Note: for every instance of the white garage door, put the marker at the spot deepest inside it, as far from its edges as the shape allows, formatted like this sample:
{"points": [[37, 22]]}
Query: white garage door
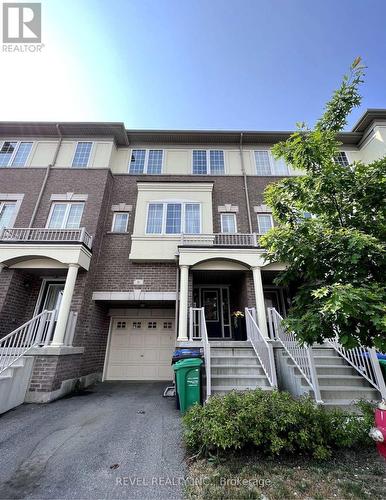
{"points": [[141, 349]]}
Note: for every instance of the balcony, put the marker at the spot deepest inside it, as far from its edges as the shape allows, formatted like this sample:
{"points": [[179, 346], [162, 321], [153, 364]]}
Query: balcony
{"points": [[220, 240], [45, 235]]}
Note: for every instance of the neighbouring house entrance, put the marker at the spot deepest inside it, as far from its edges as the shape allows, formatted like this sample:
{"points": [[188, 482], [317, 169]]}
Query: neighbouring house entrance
{"points": [[216, 304]]}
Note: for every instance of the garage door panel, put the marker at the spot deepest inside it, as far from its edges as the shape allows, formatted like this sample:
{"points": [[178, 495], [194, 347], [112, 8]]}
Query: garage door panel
{"points": [[141, 349]]}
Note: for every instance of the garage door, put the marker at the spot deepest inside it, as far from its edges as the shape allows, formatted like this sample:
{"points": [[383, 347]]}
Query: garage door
{"points": [[141, 349]]}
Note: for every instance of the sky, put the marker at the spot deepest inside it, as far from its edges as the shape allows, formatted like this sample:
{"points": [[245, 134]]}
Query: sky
{"points": [[195, 64]]}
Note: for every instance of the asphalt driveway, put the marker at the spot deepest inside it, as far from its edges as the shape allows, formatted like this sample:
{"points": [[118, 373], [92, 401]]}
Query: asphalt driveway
{"points": [[120, 440]]}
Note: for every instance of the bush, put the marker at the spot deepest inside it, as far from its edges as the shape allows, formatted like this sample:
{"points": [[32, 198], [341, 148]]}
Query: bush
{"points": [[273, 423]]}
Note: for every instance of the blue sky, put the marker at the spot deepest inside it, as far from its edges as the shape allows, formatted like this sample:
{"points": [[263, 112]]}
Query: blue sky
{"points": [[197, 64]]}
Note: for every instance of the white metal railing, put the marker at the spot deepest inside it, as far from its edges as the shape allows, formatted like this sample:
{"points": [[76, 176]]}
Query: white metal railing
{"points": [[35, 332], [198, 331], [47, 235], [365, 361], [262, 347], [302, 356], [220, 239]]}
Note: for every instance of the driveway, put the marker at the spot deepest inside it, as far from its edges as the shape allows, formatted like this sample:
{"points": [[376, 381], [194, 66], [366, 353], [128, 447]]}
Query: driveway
{"points": [[118, 440]]}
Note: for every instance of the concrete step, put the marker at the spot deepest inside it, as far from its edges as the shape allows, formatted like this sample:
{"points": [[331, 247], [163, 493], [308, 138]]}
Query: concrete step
{"points": [[229, 343], [324, 351], [232, 351], [234, 360], [335, 370], [236, 381], [250, 369], [347, 381], [331, 393], [330, 360], [226, 389]]}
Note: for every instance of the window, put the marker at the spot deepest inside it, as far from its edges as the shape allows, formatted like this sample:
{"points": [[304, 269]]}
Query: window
{"points": [[208, 162], [228, 223], [14, 154], [82, 154], [173, 218], [7, 213], [264, 223], [120, 221], [137, 325], [146, 161], [267, 165], [65, 216], [152, 324], [168, 325], [341, 159], [121, 325]]}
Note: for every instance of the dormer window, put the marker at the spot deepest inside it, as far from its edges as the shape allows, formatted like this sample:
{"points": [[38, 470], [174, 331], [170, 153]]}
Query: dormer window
{"points": [[266, 164], [208, 162], [82, 154]]}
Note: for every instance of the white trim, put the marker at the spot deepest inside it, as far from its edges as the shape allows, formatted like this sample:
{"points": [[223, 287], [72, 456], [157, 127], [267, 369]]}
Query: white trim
{"points": [[208, 164], [227, 207], [107, 353], [69, 197], [9, 198], [175, 187], [146, 161], [234, 218], [15, 152], [121, 207], [66, 213], [41, 291], [113, 223], [89, 156], [258, 223], [164, 214], [265, 209]]}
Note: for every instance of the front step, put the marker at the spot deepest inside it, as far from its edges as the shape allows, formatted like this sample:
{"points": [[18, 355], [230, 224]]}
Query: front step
{"points": [[235, 366]]}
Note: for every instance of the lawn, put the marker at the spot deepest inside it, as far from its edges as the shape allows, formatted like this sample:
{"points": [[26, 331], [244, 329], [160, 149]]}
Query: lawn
{"points": [[348, 475]]}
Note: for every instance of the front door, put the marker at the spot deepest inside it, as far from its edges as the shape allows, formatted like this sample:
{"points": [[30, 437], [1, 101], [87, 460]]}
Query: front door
{"points": [[52, 297], [215, 301]]}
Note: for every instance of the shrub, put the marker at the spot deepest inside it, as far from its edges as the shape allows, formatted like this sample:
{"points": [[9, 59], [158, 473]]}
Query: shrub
{"points": [[273, 423]]}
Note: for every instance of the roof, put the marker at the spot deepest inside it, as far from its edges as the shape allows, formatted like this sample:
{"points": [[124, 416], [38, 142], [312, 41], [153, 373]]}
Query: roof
{"points": [[123, 137]]}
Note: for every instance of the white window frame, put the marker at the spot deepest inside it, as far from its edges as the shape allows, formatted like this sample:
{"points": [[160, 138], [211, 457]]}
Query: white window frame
{"points": [[145, 166], [15, 152], [271, 161], [66, 213], [258, 223], [164, 214], [347, 156], [208, 165], [89, 156], [113, 223], [234, 218], [10, 202]]}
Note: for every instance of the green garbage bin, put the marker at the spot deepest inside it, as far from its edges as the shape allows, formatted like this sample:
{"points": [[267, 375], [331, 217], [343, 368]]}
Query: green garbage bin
{"points": [[188, 382], [382, 363]]}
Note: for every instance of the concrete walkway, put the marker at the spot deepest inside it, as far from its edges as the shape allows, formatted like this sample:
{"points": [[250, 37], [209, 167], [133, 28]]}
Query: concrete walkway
{"points": [[120, 440]]}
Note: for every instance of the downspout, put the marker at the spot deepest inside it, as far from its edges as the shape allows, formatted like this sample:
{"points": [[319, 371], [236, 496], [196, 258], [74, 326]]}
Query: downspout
{"points": [[44, 183], [177, 299], [245, 184]]}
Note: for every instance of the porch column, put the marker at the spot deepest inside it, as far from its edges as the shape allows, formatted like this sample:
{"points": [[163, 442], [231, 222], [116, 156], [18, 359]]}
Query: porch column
{"points": [[183, 316], [259, 297], [64, 309]]}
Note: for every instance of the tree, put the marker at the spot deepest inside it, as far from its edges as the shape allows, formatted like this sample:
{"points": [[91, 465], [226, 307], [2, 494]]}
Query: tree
{"points": [[336, 258]]}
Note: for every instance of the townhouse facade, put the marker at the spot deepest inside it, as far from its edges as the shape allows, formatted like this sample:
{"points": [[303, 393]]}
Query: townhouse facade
{"points": [[116, 244]]}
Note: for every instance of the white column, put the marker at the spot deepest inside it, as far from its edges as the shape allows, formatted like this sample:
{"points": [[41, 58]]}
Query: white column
{"points": [[65, 305], [183, 316], [260, 305]]}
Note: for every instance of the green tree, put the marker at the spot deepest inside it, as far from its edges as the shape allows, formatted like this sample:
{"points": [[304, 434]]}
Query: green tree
{"points": [[336, 259]]}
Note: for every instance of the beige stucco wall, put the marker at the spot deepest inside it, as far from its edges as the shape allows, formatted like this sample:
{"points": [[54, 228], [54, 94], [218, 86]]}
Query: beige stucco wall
{"points": [[153, 247], [374, 146]]}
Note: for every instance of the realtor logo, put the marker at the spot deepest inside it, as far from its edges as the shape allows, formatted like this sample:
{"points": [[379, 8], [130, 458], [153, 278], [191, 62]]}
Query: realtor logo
{"points": [[22, 23]]}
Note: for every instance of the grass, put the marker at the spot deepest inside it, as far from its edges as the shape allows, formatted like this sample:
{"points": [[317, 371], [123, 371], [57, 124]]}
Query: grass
{"points": [[351, 475]]}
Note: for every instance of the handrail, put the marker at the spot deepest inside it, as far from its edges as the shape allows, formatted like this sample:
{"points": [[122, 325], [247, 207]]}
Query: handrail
{"points": [[365, 361], [35, 332], [47, 235], [262, 347], [220, 239], [198, 331], [302, 356]]}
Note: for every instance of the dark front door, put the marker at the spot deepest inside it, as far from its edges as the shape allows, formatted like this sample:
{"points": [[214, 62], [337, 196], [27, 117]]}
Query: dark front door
{"points": [[215, 301]]}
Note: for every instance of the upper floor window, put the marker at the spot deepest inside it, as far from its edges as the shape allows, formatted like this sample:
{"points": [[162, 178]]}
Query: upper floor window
{"points": [[82, 154], [208, 162], [7, 213], [65, 215], [228, 223], [173, 218], [267, 165], [14, 153], [341, 159], [146, 161], [264, 223], [120, 221]]}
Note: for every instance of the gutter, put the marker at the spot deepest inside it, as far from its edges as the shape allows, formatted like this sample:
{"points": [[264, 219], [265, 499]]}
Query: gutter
{"points": [[245, 183], [44, 183]]}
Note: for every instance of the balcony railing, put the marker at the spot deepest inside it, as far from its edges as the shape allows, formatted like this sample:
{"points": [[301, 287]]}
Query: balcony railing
{"points": [[45, 235], [221, 239]]}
